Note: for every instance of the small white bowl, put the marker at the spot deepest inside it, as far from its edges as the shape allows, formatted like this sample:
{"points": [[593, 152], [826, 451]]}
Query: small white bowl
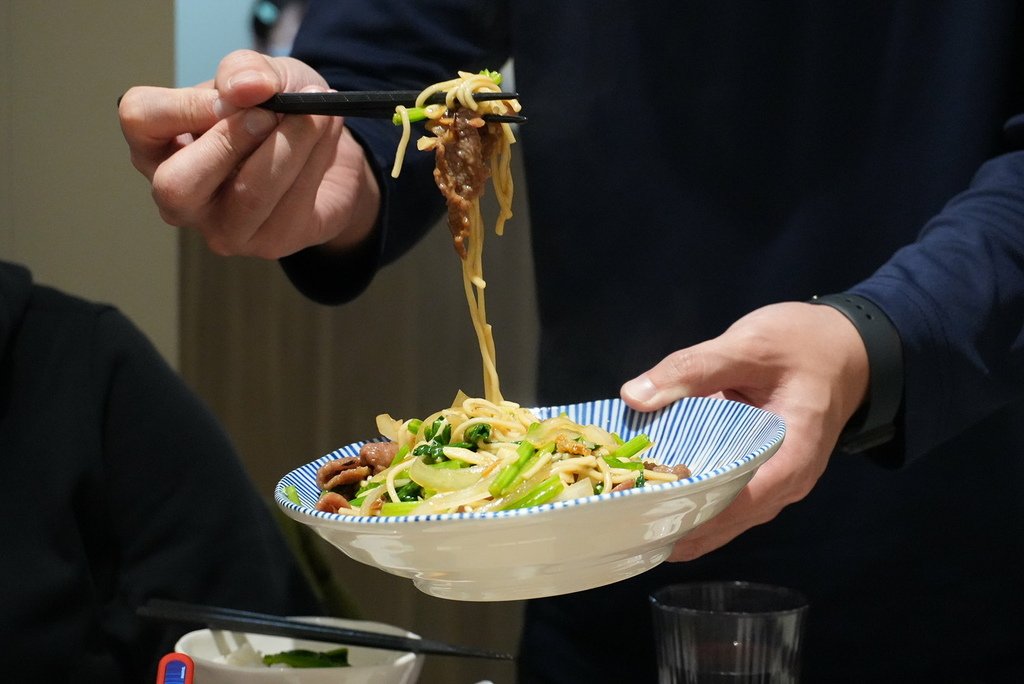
{"points": [[367, 665], [564, 546]]}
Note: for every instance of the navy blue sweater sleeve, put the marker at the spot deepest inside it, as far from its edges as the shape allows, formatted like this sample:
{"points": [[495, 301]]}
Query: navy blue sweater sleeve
{"points": [[956, 296], [381, 45]]}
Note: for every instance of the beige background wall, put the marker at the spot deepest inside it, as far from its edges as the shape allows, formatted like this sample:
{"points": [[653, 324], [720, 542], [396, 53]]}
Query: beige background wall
{"points": [[71, 206]]}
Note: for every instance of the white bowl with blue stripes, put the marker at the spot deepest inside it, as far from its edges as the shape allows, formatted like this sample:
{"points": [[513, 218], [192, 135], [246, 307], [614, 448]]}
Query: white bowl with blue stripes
{"points": [[566, 546]]}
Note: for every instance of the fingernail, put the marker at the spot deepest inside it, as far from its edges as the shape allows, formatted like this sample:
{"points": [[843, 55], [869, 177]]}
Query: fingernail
{"points": [[246, 78], [259, 122], [223, 109], [639, 389]]}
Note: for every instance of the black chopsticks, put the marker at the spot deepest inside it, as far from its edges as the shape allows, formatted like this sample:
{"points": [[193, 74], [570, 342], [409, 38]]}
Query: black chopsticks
{"points": [[261, 623], [372, 104]]}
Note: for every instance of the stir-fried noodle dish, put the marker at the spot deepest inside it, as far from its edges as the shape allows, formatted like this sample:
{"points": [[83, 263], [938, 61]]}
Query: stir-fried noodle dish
{"points": [[481, 454]]}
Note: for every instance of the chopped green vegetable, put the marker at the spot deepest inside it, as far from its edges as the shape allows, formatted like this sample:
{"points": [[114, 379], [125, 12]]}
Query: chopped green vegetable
{"points": [[400, 455], [410, 491], [619, 463], [414, 425], [292, 494], [545, 449], [632, 447], [450, 464], [503, 483], [542, 493], [415, 114], [431, 453], [481, 432], [439, 432], [400, 508], [493, 75], [304, 658]]}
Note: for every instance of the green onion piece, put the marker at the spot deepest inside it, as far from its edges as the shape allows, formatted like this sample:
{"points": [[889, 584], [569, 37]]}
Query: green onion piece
{"points": [[542, 493], [632, 447], [414, 425], [619, 463], [530, 462], [415, 114], [641, 479], [503, 483], [400, 508], [520, 474], [292, 494], [400, 455], [493, 75], [303, 658]]}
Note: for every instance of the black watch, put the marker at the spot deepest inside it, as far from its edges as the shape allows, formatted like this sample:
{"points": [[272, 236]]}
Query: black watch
{"points": [[875, 422]]}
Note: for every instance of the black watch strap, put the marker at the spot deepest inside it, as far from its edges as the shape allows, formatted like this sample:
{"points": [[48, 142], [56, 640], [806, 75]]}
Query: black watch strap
{"points": [[875, 422]]}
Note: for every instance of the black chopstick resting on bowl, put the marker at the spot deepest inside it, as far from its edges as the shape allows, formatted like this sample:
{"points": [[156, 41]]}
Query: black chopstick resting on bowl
{"points": [[372, 104], [273, 625]]}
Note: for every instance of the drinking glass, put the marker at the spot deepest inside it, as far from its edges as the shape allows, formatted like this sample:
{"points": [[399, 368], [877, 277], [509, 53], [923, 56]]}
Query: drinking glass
{"points": [[728, 632]]}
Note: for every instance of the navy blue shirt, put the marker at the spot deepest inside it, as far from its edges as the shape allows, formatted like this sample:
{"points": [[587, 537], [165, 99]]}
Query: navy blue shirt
{"points": [[696, 160]]}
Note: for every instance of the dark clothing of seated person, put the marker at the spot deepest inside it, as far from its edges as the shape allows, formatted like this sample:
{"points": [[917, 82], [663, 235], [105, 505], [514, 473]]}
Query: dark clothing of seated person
{"points": [[120, 486]]}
